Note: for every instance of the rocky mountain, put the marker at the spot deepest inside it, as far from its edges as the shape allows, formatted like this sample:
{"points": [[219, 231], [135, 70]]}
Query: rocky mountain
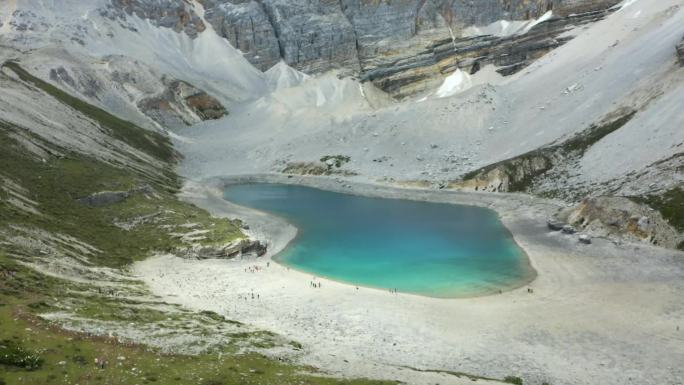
{"points": [[314, 36], [109, 107], [403, 46], [398, 45], [173, 63]]}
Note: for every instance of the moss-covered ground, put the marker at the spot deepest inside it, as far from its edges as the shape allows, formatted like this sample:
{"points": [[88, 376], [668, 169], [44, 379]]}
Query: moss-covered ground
{"points": [[670, 204], [39, 353]]}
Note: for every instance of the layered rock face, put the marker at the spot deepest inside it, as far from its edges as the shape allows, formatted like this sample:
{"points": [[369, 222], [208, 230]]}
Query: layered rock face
{"points": [[414, 71], [247, 28], [378, 39], [314, 35], [310, 35]]}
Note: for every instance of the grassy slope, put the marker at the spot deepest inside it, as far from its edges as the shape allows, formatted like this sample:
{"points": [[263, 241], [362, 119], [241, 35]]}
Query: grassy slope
{"points": [[54, 184], [68, 358], [58, 182], [670, 204]]}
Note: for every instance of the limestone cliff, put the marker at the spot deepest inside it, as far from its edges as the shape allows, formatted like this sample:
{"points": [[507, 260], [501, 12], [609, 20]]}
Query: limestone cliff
{"points": [[247, 28], [174, 14], [403, 46]]}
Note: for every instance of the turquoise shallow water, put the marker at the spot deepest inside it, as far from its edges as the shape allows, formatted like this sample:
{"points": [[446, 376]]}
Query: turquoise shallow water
{"points": [[433, 249]]}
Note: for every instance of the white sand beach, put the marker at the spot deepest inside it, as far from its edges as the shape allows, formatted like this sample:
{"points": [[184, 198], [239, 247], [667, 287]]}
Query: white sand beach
{"points": [[600, 314]]}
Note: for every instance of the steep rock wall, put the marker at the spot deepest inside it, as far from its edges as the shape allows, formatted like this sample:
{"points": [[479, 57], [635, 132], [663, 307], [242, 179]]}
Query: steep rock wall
{"points": [[247, 27], [314, 36]]}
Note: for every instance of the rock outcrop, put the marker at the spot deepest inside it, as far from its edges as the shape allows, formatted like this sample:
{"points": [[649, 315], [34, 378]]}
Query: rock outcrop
{"points": [[131, 87], [623, 218], [402, 46], [314, 36], [175, 14], [314, 168], [247, 27], [508, 176], [181, 104], [523, 172], [418, 70], [680, 52], [106, 198], [243, 247]]}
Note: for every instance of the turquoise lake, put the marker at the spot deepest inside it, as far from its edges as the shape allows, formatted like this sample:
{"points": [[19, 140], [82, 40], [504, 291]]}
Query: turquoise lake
{"points": [[431, 249]]}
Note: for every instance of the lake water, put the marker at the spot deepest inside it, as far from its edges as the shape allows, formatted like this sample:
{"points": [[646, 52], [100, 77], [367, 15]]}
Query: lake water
{"points": [[432, 249]]}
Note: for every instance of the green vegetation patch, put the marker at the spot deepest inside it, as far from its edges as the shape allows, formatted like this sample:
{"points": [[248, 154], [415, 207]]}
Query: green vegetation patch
{"points": [[123, 232], [587, 138], [70, 358], [13, 355], [670, 205], [16, 281], [522, 170], [335, 160], [513, 380]]}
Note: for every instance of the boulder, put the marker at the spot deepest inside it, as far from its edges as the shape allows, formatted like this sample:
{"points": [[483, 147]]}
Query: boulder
{"points": [[104, 198], [623, 218], [255, 247], [567, 229], [555, 225], [585, 239], [227, 251]]}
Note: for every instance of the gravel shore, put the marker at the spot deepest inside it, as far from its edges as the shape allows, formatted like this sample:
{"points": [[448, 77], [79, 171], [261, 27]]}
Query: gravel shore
{"points": [[603, 313]]}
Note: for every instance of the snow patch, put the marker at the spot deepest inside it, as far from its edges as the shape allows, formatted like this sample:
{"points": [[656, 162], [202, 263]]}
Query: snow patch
{"points": [[458, 81], [540, 20], [626, 3]]}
